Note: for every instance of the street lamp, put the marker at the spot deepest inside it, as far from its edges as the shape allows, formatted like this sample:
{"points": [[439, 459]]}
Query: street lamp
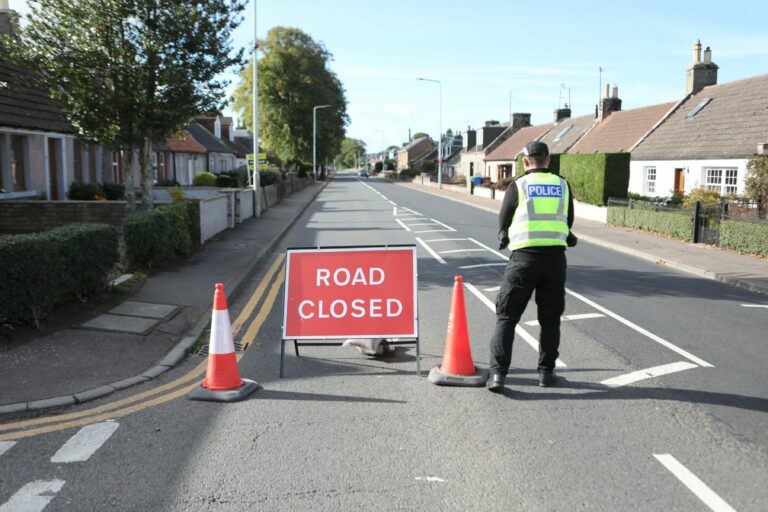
{"points": [[440, 135], [256, 175], [314, 137]]}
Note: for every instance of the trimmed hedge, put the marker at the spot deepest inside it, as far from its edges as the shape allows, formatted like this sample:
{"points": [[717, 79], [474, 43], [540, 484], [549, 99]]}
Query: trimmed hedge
{"points": [[40, 270], [162, 235], [594, 177], [204, 179], [744, 236], [676, 225]]}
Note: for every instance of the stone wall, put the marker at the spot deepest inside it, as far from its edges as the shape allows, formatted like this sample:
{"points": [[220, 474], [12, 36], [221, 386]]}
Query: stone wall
{"points": [[34, 216]]}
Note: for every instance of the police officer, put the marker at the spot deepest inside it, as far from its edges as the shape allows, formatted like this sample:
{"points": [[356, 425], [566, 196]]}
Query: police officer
{"points": [[534, 221]]}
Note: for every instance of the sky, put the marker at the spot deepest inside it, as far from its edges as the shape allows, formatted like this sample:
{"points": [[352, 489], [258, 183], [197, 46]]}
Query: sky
{"points": [[541, 53]]}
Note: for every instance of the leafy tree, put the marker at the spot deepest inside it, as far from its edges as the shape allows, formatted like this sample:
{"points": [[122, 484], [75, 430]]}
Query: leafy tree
{"points": [[449, 133], [419, 135], [128, 72], [293, 78], [756, 182], [351, 149], [701, 195]]}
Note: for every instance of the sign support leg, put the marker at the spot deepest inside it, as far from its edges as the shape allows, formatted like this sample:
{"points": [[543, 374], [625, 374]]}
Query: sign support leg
{"points": [[282, 357], [418, 359], [296, 347]]}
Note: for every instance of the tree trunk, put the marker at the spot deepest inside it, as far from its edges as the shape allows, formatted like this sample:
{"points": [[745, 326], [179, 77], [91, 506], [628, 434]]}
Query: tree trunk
{"points": [[145, 164], [130, 189]]}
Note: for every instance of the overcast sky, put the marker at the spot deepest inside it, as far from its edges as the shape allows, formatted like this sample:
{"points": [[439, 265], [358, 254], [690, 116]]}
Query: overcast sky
{"points": [[538, 52]]}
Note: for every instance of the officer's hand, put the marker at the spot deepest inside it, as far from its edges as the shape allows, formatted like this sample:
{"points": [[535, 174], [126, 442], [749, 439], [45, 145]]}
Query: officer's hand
{"points": [[571, 241], [504, 243]]}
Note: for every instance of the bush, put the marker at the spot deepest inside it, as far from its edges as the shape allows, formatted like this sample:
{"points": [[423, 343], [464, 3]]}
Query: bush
{"points": [[594, 177], [302, 174], [180, 229], [269, 177], [756, 182], [503, 183], [703, 196], [225, 181], [167, 183], [113, 191], [162, 235], [84, 191], [646, 217], [204, 179], [378, 167], [41, 270], [745, 236]]}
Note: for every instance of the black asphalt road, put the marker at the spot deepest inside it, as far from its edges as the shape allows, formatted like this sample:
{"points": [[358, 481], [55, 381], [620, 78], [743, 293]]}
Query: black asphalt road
{"points": [[347, 432]]}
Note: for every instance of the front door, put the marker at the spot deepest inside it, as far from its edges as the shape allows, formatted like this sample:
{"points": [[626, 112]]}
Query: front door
{"points": [[53, 169], [679, 182]]}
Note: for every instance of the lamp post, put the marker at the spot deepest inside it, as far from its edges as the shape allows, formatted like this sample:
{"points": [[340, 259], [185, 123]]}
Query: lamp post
{"points": [[314, 137], [256, 175], [440, 134]]}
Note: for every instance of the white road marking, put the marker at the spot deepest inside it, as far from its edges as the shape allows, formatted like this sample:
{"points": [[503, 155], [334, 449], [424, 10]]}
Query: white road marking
{"points": [[384, 197], [754, 305], [409, 210], [434, 231], [568, 318], [422, 224], [484, 265], [393, 204], [5, 446], [642, 331], [648, 373], [444, 225], [533, 342], [430, 478], [446, 240], [694, 484], [394, 211], [497, 253], [82, 445], [460, 250], [33, 497], [431, 251], [404, 226]]}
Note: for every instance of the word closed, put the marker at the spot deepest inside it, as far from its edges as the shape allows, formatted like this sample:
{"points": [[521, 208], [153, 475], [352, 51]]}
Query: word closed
{"points": [[350, 292]]}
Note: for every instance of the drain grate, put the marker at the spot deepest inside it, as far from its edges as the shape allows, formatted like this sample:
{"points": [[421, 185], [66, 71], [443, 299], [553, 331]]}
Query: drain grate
{"points": [[203, 351]]}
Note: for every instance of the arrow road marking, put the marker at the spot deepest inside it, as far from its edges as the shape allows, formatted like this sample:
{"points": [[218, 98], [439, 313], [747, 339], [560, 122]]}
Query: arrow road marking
{"points": [[33, 497], [82, 445], [648, 373], [694, 484]]}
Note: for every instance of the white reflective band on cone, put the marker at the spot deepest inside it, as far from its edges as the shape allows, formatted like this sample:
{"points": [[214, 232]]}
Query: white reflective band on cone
{"points": [[221, 333]]}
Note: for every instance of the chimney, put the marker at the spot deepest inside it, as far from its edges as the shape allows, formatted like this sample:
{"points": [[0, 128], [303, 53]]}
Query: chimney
{"points": [[520, 120], [607, 90], [701, 74], [7, 19], [470, 139], [610, 103], [562, 113]]}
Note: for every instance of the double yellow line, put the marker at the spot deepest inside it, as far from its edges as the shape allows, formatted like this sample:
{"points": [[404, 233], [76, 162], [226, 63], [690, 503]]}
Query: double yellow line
{"points": [[123, 407]]}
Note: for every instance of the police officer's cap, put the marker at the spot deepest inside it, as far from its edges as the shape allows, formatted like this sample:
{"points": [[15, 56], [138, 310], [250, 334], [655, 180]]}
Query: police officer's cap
{"points": [[536, 148]]}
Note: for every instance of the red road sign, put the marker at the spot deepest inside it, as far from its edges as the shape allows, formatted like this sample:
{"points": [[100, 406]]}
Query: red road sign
{"points": [[350, 292]]}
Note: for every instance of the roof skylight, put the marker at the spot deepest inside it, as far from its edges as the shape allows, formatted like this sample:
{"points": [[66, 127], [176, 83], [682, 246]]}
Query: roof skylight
{"points": [[562, 132], [698, 107]]}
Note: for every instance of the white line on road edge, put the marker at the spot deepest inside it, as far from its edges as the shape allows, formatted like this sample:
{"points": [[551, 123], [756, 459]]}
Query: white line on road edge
{"points": [[484, 265], [82, 445], [493, 289], [754, 305], [409, 210], [5, 446], [446, 240], [692, 482], [444, 225], [33, 497], [434, 231], [642, 331], [431, 251], [533, 342], [648, 373], [569, 318], [430, 478], [497, 253], [460, 250], [393, 204], [404, 226]]}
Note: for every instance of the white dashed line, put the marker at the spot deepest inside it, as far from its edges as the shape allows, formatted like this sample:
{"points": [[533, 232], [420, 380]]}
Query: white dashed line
{"points": [[460, 250], [754, 305], [446, 240], [568, 318], [694, 484], [434, 231], [642, 331], [82, 445], [497, 253], [444, 225], [484, 265], [5, 446], [422, 224], [648, 373], [393, 204], [493, 289], [409, 210], [431, 251], [33, 497], [394, 211], [404, 226], [430, 478], [533, 342]]}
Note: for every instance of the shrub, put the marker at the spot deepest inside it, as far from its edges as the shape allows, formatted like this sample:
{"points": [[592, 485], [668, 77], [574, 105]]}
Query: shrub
{"points": [[745, 236], [41, 270], [756, 182], [225, 181], [167, 182], [204, 179], [84, 191], [113, 191], [701, 195], [378, 167], [644, 216], [176, 193], [269, 177], [504, 183], [595, 177], [162, 235], [302, 173], [180, 230]]}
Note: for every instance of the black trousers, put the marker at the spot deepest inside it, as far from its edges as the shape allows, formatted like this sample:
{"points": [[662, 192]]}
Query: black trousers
{"points": [[524, 274]]}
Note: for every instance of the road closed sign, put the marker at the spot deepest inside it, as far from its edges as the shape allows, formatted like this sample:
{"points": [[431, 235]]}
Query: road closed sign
{"points": [[350, 292]]}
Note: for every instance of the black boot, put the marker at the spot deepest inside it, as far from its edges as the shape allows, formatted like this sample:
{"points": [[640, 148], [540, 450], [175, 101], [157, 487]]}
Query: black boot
{"points": [[547, 378], [496, 382]]}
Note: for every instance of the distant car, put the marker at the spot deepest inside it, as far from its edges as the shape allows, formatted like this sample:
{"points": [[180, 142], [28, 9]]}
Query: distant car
{"points": [[363, 173]]}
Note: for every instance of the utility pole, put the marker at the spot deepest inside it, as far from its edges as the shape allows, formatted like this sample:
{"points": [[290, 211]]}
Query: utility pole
{"points": [[440, 133], [256, 175], [314, 138]]}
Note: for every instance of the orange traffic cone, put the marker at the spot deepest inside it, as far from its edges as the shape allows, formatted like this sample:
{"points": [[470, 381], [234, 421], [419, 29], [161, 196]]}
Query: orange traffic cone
{"points": [[457, 368], [222, 380]]}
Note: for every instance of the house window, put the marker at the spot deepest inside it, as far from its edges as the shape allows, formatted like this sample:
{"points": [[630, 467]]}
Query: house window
{"points": [[562, 132], [18, 168], [78, 160], [722, 181], [650, 180]]}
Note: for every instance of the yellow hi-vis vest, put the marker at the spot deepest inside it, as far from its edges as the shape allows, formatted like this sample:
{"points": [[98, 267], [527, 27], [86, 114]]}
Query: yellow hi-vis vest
{"points": [[541, 217]]}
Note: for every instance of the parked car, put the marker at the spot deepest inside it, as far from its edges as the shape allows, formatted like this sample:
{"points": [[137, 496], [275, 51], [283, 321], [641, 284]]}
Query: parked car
{"points": [[363, 173]]}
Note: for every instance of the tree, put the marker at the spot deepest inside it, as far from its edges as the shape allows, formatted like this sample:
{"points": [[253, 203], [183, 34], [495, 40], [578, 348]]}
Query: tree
{"points": [[449, 133], [756, 182], [128, 72], [419, 135], [351, 149], [293, 78]]}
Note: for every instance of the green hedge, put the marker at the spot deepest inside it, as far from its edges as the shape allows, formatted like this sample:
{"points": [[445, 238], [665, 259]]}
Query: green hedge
{"points": [[594, 177], [162, 235], [676, 225], [204, 179], [745, 236], [40, 270]]}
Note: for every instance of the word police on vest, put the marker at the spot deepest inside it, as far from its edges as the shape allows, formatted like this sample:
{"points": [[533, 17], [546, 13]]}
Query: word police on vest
{"points": [[545, 191], [355, 308]]}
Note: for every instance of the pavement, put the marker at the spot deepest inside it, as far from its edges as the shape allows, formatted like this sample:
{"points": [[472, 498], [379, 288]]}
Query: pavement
{"points": [[138, 337]]}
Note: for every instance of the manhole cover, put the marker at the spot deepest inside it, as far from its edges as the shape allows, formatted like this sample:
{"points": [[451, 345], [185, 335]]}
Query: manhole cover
{"points": [[203, 351]]}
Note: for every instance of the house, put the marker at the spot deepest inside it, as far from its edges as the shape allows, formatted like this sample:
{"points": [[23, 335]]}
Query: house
{"points": [[451, 147], [188, 158], [478, 143], [220, 157], [502, 159], [567, 130], [412, 154], [707, 138]]}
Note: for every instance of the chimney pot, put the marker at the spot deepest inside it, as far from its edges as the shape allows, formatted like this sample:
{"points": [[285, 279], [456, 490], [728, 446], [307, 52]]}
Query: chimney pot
{"points": [[697, 52], [4, 5], [615, 91], [607, 90], [707, 55]]}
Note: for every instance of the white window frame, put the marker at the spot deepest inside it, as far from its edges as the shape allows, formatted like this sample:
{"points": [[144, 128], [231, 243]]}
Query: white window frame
{"points": [[723, 180], [649, 185]]}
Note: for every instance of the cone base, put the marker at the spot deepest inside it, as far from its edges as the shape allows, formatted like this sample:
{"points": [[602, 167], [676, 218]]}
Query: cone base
{"points": [[224, 395], [439, 377]]}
